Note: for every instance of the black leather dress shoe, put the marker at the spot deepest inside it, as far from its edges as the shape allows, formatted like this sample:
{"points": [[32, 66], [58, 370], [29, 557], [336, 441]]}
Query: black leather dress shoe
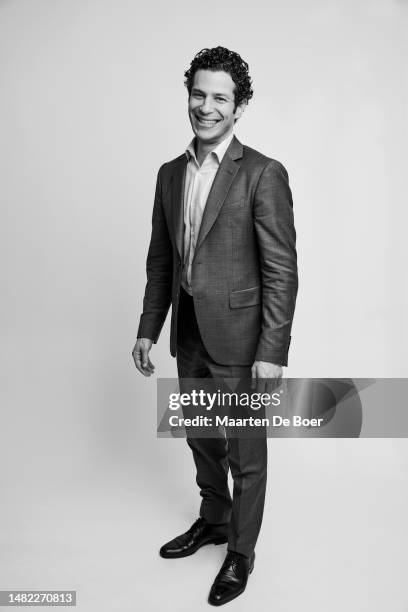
{"points": [[231, 579], [199, 534]]}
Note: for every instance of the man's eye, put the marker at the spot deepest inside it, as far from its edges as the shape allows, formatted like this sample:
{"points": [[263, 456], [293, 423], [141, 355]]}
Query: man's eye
{"points": [[197, 95], [220, 99]]}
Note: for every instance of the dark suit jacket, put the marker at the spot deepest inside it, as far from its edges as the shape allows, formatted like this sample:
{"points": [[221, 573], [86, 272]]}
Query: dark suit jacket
{"points": [[244, 271]]}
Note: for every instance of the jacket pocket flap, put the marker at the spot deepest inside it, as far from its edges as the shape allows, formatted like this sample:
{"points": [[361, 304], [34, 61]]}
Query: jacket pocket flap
{"points": [[245, 297]]}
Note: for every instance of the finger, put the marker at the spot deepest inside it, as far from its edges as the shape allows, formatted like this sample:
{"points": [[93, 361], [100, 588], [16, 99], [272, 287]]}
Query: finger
{"points": [[274, 383], [138, 364], [136, 357], [269, 385], [260, 385], [149, 368], [145, 357]]}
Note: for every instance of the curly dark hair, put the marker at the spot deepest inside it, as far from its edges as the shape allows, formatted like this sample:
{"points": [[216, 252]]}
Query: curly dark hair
{"points": [[220, 58]]}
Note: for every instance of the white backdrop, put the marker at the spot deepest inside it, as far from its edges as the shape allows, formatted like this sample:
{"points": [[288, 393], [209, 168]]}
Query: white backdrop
{"points": [[92, 103]]}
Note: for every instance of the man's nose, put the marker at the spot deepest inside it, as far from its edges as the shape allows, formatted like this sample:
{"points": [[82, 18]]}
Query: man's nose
{"points": [[206, 107]]}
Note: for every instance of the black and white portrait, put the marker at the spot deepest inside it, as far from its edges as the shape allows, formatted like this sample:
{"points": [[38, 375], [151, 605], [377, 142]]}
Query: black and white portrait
{"points": [[200, 192]]}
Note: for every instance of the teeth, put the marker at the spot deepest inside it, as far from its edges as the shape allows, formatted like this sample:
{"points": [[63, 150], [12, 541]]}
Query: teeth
{"points": [[208, 122]]}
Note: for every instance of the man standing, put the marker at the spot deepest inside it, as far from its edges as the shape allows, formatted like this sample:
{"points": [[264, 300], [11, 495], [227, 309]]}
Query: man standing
{"points": [[222, 253]]}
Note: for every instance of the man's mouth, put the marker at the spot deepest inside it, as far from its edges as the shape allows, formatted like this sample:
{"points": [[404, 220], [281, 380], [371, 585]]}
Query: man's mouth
{"points": [[207, 122]]}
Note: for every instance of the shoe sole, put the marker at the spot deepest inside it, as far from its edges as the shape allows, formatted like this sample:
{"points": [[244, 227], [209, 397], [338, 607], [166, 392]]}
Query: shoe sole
{"points": [[193, 550]]}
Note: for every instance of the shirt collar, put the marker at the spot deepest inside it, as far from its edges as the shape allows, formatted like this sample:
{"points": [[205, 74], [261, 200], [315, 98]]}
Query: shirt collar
{"points": [[219, 151]]}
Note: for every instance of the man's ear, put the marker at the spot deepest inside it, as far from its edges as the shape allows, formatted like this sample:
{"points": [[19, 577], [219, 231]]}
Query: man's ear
{"points": [[240, 109]]}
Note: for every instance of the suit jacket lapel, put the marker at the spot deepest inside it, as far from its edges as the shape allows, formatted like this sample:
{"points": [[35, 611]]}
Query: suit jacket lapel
{"points": [[219, 190], [222, 182], [177, 196]]}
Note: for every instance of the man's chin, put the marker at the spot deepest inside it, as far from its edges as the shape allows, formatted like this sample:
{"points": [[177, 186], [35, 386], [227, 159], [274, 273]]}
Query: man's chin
{"points": [[207, 135]]}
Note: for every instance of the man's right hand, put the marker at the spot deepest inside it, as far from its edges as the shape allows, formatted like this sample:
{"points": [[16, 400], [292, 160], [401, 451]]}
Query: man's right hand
{"points": [[141, 356]]}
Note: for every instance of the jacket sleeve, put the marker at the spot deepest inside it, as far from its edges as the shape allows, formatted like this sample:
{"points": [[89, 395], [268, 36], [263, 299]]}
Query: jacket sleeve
{"points": [[159, 270], [276, 236]]}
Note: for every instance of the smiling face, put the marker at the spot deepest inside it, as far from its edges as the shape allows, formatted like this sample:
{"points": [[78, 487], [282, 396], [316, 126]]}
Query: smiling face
{"points": [[211, 106]]}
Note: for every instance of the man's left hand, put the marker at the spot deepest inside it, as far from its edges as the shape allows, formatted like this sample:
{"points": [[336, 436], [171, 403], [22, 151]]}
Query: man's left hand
{"points": [[266, 376]]}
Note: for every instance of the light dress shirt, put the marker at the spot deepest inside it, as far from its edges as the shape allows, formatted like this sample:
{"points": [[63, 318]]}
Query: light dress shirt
{"points": [[198, 182]]}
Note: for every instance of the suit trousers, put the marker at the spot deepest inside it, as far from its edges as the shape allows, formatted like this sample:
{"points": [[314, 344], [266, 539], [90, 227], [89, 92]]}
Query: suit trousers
{"points": [[215, 456]]}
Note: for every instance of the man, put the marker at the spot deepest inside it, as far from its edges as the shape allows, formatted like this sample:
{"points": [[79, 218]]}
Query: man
{"points": [[222, 253]]}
